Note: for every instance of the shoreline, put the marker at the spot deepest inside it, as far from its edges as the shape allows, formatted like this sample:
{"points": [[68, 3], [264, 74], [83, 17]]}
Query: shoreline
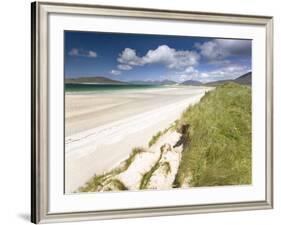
{"points": [[98, 150]]}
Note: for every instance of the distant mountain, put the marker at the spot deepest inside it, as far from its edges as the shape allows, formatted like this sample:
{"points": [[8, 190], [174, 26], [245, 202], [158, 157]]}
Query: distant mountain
{"points": [[93, 80], [154, 82], [167, 82], [192, 83], [245, 79], [218, 82]]}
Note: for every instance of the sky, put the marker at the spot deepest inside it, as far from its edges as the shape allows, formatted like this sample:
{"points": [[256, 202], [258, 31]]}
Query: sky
{"points": [[131, 57]]}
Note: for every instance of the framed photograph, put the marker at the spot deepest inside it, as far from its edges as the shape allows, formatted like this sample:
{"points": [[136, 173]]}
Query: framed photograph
{"points": [[148, 112]]}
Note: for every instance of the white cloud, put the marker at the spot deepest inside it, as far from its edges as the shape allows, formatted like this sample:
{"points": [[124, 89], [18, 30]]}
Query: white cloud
{"points": [[190, 73], [81, 52], [212, 51], [182, 63], [235, 47], [124, 67], [226, 73], [219, 49], [92, 54], [204, 75], [115, 72], [163, 54], [74, 52], [184, 77], [129, 57], [190, 70], [172, 58]]}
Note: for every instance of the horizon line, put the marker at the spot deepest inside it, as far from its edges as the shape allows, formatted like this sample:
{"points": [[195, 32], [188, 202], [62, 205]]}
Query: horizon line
{"points": [[92, 76]]}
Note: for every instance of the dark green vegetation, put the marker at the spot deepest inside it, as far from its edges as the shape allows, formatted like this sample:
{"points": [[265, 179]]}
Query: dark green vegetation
{"points": [[220, 134], [107, 182]]}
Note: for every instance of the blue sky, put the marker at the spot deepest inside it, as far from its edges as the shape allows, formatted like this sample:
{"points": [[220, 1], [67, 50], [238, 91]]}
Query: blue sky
{"points": [[129, 57]]}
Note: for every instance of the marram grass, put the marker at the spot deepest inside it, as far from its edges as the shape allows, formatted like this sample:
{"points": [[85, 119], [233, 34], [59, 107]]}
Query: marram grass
{"points": [[220, 134], [98, 182]]}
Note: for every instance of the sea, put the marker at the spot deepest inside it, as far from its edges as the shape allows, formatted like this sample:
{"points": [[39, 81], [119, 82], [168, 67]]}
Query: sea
{"points": [[107, 87]]}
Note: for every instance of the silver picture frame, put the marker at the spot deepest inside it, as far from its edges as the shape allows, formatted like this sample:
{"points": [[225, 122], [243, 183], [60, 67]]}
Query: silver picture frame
{"points": [[39, 150]]}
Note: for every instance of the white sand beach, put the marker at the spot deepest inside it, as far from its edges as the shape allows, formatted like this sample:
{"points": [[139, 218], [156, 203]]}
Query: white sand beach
{"points": [[102, 128]]}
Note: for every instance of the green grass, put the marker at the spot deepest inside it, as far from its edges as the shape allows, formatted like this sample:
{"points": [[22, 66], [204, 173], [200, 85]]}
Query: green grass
{"points": [[118, 185], [146, 177], [125, 165], [156, 137], [107, 180], [220, 135], [167, 167]]}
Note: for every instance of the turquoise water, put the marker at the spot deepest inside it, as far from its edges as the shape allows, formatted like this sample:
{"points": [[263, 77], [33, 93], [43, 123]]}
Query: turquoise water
{"points": [[105, 87]]}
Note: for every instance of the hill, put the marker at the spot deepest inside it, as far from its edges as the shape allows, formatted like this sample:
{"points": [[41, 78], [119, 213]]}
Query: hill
{"points": [[93, 80], [219, 82], [245, 79], [167, 82], [192, 82], [153, 82]]}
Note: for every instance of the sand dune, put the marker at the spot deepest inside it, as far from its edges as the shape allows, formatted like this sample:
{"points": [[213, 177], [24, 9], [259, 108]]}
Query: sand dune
{"points": [[144, 162], [102, 129]]}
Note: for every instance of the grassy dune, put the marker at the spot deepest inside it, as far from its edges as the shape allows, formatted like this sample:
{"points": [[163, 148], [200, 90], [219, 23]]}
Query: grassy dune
{"points": [[217, 145], [220, 136]]}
